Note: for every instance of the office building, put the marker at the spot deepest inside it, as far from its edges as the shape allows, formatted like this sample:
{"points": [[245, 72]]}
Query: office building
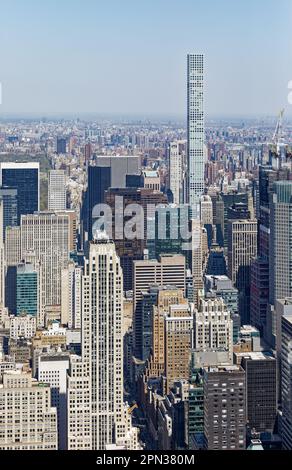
{"points": [[260, 274], [213, 326], [195, 410], [221, 286], [108, 172], [87, 152], [10, 211], [267, 177], [28, 421], [261, 390], [238, 211], [151, 179], [47, 235], [286, 381], [73, 226], [27, 290], [71, 296], [206, 208], [248, 340], [12, 246], [220, 206], [216, 264], [242, 249], [57, 190], [2, 260], [170, 231], [79, 410], [102, 310], [168, 270], [280, 269], [52, 370], [197, 259], [12, 257], [22, 326], [167, 296], [20, 350], [177, 157], [130, 246], [61, 145], [178, 327], [149, 299], [224, 408], [25, 178], [259, 292]]}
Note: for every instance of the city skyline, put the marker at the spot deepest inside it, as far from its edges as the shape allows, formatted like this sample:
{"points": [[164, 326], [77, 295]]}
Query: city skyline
{"points": [[146, 262], [132, 62]]}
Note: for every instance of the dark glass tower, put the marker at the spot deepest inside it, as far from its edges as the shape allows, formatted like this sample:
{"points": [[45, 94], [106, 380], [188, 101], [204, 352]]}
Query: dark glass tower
{"points": [[24, 177], [109, 172], [61, 145], [99, 180]]}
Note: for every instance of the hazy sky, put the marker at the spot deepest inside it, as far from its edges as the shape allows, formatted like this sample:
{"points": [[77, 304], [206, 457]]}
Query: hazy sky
{"points": [[129, 56]]}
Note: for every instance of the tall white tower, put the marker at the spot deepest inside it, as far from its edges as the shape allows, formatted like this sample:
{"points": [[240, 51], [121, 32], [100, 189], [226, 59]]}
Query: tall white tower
{"points": [[196, 131], [57, 190], [102, 346]]}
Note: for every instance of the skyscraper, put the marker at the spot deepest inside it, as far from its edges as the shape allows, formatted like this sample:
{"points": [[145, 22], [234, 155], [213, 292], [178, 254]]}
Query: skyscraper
{"points": [[149, 299], [170, 231], [61, 145], [108, 172], [167, 296], [169, 270], [46, 234], [224, 408], [10, 214], [213, 328], [176, 170], [71, 296], [12, 246], [130, 249], [261, 390], [280, 267], [57, 190], [2, 259], [79, 404], [286, 379], [178, 325], [87, 152], [24, 177], [52, 370], [197, 258], [102, 345], [260, 267], [242, 249], [27, 289], [222, 287], [19, 430], [196, 132]]}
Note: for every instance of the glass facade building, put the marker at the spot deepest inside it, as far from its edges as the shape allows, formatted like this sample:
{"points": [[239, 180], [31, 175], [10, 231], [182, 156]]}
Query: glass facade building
{"points": [[26, 290], [24, 177]]}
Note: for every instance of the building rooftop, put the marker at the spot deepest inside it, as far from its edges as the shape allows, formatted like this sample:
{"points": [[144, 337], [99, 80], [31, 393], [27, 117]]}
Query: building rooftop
{"points": [[256, 355]]}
